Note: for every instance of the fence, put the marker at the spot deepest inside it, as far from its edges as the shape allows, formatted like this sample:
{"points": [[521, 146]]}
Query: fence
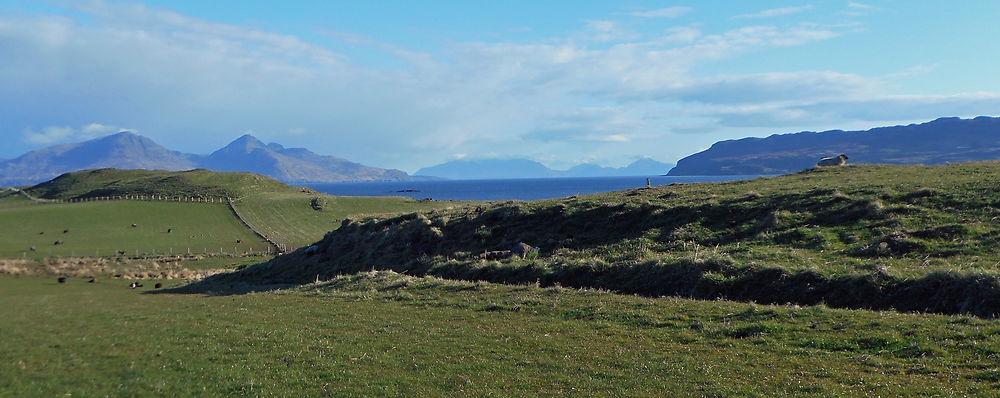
{"points": [[277, 247], [142, 197]]}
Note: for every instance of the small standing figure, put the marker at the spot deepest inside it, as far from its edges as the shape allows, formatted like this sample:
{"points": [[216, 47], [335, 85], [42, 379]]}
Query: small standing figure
{"points": [[649, 183]]}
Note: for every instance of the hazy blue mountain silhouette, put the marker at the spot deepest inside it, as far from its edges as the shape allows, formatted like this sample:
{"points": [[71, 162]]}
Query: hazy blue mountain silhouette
{"points": [[124, 150], [127, 150], [523, 168], [247, 153], [936, 142]]}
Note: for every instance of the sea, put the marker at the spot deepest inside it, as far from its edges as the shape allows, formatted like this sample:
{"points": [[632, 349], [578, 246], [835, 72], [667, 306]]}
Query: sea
{"points": [[507, 189]]}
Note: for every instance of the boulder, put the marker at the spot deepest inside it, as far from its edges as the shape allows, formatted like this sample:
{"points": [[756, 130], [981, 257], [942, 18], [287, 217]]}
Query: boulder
{"points": [[523, 249]]}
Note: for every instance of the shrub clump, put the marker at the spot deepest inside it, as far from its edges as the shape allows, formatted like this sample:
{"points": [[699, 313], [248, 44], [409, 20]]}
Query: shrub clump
{"points": [[318, 203]]}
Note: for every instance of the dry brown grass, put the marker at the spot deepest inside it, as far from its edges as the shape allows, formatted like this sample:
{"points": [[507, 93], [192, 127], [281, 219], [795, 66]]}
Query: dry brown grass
{"points": [[158, 268]]}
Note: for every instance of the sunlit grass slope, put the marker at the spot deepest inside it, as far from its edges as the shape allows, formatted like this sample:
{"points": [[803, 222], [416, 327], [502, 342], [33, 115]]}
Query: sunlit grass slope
{"points": [[103, 228], [384, 334], [299, 218]]}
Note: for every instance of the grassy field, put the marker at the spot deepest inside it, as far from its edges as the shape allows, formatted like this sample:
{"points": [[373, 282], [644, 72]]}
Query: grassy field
{"points": [[395, 311], [300, 218], [103, 228], [290, 216], [385, 334]]}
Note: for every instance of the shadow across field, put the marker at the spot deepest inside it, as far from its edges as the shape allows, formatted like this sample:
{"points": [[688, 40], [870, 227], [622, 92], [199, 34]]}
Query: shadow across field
{"points": [[940, 292]]}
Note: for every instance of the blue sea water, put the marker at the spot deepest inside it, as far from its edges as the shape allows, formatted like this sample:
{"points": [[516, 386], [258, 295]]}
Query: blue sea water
{"points": [[506, 189]]}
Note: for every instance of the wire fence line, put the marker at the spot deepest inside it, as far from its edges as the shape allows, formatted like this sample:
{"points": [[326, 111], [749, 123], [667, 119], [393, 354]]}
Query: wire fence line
{"points": [[275, 246], [139, 197], [279, 247]]}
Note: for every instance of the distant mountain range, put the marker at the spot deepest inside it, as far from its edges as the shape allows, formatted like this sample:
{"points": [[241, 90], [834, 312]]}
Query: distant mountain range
{"points": [[127, 150], [469, 169], [940, 141], [292, 164]]}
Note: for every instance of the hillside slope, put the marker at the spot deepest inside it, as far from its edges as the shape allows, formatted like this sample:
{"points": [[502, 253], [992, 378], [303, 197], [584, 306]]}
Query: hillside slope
{"points": [[945, 140], [904, 237], [192, 183], [288, 216]]}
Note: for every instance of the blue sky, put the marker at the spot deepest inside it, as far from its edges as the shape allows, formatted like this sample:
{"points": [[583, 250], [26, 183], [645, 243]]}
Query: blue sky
{"points": [[412, 84]]}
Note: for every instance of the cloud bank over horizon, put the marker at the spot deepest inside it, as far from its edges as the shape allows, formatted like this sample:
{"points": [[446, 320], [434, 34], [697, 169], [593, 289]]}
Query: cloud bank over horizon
{"points": [[657, 82]]}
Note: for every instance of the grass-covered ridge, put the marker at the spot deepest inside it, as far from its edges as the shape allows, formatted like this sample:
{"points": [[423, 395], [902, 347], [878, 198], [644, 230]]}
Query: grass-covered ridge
{"points": [[192, 183], [905, 237]]}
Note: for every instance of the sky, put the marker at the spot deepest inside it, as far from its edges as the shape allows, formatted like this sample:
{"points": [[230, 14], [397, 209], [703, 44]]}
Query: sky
{"points": [[412, 84]]}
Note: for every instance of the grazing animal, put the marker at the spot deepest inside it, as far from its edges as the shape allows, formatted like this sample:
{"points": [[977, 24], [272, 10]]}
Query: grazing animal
{"points": [[62, 279], [239, 241], [66, 231], [32, 248], [135, 285], [121, 252], [42, 233], [158, 285], [168, 230], [92, 280], [832, 161], [58, 242], [133, 225]]}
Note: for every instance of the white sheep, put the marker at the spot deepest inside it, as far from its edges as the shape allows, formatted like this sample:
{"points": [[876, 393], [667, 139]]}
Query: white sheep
{"points": [[832, 161]]}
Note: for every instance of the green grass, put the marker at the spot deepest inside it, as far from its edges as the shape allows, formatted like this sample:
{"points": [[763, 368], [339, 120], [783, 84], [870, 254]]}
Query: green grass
{"points": [[385, 334], [904, 237], [103, 228], [290, 218], [192, 183]]}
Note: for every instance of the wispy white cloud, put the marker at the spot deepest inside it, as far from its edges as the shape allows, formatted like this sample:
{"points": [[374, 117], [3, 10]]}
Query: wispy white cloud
{"points": [[857, 9], [669, 12], [606, 87], [775, 12], [49, 135], [859, 6], [60, 134]]}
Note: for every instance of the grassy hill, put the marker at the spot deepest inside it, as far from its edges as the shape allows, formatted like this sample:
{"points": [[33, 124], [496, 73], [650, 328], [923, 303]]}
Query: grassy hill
{"points": [[192, 183], [904, 237]]}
